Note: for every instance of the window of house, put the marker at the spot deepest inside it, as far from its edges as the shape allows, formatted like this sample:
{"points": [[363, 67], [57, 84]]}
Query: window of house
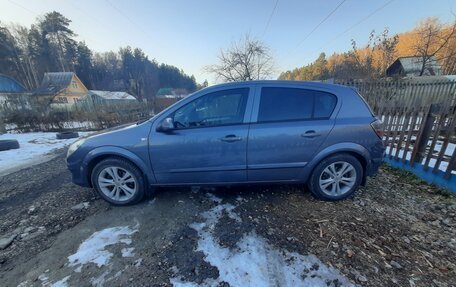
{"points": [[288, 104], [219, 108], [74, 84], [61, 100]]}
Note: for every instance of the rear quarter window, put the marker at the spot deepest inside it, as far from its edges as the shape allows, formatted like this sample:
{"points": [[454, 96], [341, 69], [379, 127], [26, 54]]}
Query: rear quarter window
{"points": [[292, 104]]}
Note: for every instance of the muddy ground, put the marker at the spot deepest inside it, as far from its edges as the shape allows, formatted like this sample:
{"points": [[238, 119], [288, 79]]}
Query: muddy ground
{"points": [[396, 231]]}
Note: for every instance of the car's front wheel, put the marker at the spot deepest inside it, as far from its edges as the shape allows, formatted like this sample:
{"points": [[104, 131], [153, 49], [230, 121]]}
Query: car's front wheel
{"points": [[336, 177], [118, 181]]}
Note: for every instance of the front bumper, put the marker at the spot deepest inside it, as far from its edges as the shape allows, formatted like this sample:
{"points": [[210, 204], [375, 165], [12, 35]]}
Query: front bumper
{"points": [[79, 174]]}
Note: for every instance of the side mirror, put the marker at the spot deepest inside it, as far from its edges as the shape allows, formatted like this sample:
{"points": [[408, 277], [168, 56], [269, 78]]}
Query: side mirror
{"points": [[166, 125]]}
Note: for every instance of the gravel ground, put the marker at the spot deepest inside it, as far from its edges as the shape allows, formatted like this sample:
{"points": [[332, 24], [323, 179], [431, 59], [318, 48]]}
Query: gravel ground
{"points": [[396, 231]]}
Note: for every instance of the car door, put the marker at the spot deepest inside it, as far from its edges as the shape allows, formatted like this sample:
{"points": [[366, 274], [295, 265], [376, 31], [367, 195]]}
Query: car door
{"points": [[289, 124], [209, 141]]}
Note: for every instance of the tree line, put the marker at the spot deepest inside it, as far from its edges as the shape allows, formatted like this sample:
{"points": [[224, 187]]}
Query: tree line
{"points": [[429, 40], [49, 45]]}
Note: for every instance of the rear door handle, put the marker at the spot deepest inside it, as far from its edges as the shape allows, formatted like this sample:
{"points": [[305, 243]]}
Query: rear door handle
{"points": [[231, 138], [310, 134]]}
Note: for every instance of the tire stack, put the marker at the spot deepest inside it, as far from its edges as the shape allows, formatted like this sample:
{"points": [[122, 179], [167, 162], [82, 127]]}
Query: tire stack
{"points": [[66, 135]]}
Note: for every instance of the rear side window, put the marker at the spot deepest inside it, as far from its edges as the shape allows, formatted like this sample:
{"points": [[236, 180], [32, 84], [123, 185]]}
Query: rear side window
{"points": [[292, 104]]}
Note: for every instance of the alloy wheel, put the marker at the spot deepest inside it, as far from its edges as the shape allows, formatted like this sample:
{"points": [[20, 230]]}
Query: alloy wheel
{"points": [[337, 178], [117, 183]]}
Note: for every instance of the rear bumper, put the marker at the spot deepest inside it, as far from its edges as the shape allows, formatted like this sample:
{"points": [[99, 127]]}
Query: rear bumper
{"points": [[373, 166], [79, 174]]}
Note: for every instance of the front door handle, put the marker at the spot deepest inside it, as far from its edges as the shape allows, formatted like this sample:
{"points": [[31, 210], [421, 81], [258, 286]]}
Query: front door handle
{"points": [[231, 138], [310, 134]]}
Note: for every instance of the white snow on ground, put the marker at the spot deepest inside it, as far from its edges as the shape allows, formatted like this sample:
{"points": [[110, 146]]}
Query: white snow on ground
{"points": [[255, 262], [45, 282], [128, 252], [92, 250], [32, 147], [61, 283]]}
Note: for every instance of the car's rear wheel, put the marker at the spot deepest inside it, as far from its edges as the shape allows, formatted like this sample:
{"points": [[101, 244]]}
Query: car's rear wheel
{"points": [[118, 181], [336, 177]]}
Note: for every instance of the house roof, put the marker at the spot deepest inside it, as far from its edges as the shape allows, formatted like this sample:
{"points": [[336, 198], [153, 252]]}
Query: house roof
{"points": [[411, 66], [10, 85], [108, 95], [171, 93], [54, 82]]}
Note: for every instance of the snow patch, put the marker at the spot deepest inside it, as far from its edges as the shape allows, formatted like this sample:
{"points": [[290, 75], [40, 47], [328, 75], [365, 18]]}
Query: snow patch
{"points": [[61, 283], [128, 252], [44, 280], [214, 198], [100, 280], [255, 262], [92, 250], [33, 146]]}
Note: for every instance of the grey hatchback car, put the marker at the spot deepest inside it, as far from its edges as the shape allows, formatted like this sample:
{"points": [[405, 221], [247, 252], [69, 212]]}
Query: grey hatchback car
{"points": [[323, 135]]}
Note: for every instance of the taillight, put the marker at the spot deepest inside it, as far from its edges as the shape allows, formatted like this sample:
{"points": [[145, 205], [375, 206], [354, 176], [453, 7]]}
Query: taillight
{"points": [[377, 125]]}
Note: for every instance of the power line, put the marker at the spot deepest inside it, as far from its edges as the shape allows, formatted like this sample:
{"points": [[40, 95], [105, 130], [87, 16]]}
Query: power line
{"points": [[321, 22], [357, 23], [132, 22], [126, 17], [34, 13], [94, 19], [23, 7], [270, 17]]}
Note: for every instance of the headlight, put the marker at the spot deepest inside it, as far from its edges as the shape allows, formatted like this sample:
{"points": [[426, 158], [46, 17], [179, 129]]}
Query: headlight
{"points": [[74, 146]]}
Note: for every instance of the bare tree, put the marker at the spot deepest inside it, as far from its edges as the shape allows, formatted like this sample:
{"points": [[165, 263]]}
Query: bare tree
{"points": [[433, 39], [249, 59]]}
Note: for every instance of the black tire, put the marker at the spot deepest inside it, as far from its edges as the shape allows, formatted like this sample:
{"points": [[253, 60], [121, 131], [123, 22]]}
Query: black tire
{"points": [[8, 144], [126, 165], [66, 135], [314, 181]]}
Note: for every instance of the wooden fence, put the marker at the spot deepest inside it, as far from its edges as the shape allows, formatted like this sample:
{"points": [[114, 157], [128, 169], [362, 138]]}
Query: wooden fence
{"points": [[419, 122], [411, 92], [26, 116]]}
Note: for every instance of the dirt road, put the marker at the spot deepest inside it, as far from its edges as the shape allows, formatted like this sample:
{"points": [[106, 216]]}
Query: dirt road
{"points": [[396, 231]]}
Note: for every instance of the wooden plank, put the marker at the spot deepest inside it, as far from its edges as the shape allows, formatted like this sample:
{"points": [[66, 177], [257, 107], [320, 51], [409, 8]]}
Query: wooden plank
{"points": [[451, 96], [404, 128], [419, 137], [395, 132], [448, 134], [451, 166], [435, 136], [426, 134], [387, 127], [440, 94], [413, 121]]}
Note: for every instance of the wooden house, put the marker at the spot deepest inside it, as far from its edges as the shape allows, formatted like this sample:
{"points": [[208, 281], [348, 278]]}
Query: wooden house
{"points": [[61, 89], [411, 67]]}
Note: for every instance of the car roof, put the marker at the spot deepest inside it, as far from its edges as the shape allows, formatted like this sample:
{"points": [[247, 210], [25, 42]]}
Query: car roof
{"points": [[309, 84]]}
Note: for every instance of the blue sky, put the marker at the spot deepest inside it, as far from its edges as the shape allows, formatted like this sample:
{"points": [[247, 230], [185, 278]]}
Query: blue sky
{"points": [[189, 34]]}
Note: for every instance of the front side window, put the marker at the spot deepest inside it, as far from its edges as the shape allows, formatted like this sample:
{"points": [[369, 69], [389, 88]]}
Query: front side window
{"points": [[219, 108], [293, 104]]}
